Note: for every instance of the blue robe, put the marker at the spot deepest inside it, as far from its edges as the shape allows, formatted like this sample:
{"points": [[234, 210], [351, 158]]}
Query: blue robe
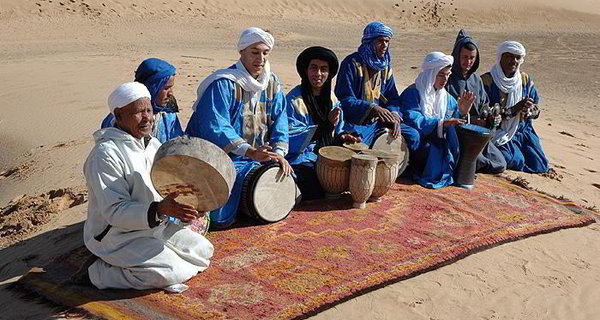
{"points": [[490, 160], [356, 95], [303, 160], [436, 157], [524, 151], [224, 118]]}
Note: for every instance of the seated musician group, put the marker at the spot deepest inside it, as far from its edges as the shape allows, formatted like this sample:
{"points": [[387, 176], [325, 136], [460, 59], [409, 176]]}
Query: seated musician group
{"points": [[243, 109]]}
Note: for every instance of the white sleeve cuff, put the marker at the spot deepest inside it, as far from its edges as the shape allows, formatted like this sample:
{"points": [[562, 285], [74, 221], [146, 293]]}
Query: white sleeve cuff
{"points": [[440, 128], [241, 149]]}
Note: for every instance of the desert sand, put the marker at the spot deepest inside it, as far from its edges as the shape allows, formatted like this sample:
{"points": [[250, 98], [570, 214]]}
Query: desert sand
{"points": [[59, 60]]}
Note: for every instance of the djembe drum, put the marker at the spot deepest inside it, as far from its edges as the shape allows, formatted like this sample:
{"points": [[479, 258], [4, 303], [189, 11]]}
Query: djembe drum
{"points": [[267, 194], [333, 170], [386, 172], [384, 142], [201, 174], [472, 140], [362, 178]]}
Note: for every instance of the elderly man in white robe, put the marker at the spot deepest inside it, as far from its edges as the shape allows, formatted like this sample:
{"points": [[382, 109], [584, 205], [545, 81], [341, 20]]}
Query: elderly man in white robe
{"points": [[125, 227]]}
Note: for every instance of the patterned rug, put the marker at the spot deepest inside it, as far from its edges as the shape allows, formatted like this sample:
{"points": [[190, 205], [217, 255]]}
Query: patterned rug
{"points": [[326, 252]]}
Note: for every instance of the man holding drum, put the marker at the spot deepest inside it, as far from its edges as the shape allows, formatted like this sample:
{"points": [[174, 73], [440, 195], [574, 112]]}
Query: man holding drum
{"points": [[131, 245], [312, 103], [367, 89], [514, 90], [242, 110], [465, 79], [434, 113]]}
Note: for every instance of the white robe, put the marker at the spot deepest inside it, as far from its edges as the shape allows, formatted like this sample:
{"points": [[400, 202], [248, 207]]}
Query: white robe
{"points": [[133, 255]]}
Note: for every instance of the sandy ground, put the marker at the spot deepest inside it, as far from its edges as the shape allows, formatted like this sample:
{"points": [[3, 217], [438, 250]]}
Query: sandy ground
{"points": [[60, 59]]}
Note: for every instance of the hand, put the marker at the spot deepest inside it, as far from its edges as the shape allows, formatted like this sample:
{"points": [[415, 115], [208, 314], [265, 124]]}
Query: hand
{"points": [[262, 153], [396, 130], [168, 206], [285, 166], [348, 138], [385, 115], [522, 106], [465, 102], [453, 122], [334, 115]]}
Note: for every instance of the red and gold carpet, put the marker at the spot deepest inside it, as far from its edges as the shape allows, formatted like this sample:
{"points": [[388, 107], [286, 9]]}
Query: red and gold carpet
{"points": [[327, 252]]}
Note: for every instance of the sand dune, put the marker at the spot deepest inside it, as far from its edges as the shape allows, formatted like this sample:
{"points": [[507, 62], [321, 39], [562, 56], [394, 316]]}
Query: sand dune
{"points": [[60, 59]]}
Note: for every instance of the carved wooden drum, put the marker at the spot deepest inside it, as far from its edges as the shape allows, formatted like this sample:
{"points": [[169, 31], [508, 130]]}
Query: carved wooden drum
{"points": [[362, 178], [333, 169], [200, 172], [472, 140], [385, 173], [384, 142], [268, 195]]}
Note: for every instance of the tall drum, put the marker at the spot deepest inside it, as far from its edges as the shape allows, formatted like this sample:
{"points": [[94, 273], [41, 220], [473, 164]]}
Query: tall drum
{"points": [[472, 140], [385, 173], [333, 170], [268, 195], [384, 142], [362, 178]]}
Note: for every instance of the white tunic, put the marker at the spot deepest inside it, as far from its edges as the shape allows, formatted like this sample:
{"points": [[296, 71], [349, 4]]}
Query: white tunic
{"points": [[132, 254]]}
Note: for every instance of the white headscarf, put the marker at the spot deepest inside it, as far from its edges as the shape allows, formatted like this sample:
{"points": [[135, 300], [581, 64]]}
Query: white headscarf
{"points": [[125, 94], [511, 86], [433, 102]]}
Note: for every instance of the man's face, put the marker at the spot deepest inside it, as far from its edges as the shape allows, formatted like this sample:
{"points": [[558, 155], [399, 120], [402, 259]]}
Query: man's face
{"points": [[166, 92], [442, 77], [381, 46], [254, 58], [136, 118], [467, 59], [509, 63], [318, 72]]}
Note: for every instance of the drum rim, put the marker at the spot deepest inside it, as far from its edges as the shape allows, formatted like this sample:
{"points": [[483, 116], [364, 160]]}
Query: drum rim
{"points": [[251, 185]]}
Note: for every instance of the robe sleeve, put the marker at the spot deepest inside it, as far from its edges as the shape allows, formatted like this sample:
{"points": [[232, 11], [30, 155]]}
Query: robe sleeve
{"points": [[279, 127], [390, 92], [106, 183], [212, 118], [356, 110], [411, 112]]}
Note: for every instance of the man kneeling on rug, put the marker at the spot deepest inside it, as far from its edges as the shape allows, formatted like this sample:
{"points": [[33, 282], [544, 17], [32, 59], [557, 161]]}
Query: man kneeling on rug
{"points": [[135, 249]]}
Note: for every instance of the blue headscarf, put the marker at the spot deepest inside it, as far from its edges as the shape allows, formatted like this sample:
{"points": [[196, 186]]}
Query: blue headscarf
{"points": [[366, 50], [154, 74]]}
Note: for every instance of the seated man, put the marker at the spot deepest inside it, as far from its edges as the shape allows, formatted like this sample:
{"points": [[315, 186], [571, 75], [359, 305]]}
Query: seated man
{"points": [[367, 89], [242, 110], [464, 79], [124, 228], [312, 103], [159, 77], [433, 112], [514, 90]]}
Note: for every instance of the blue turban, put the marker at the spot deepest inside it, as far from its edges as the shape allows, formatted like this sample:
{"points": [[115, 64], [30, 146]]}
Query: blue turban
{"points": [[366, 50], [154, 74]]}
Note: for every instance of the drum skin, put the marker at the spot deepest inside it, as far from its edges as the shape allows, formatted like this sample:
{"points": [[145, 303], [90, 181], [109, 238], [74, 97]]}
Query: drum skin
{"points": [[267, 194], [362, 178], [472, 140], [384, 142], [200, 172], [333, 169]]}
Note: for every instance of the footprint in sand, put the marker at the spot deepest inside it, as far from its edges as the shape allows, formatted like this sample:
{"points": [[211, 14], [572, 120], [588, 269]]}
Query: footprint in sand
{"points": [[567, 134], [597, 185], [590, 170]]}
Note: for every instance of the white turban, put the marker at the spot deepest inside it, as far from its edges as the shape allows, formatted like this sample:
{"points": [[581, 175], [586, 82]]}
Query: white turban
{"points": [[125, 94], [433, 102], [253, 35], [513, 87]]}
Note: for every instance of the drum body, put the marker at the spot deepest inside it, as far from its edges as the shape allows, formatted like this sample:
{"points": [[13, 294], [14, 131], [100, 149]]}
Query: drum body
{"points": [[200, 172], [362, 178], [268, 195], [333, 169], [386, 172], [384, 142], [472, 140]]}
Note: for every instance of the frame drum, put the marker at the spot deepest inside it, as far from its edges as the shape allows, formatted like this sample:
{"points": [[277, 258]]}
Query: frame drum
{"points": [[472, 139], [267, 194], [384, 142], [200, 172]]}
